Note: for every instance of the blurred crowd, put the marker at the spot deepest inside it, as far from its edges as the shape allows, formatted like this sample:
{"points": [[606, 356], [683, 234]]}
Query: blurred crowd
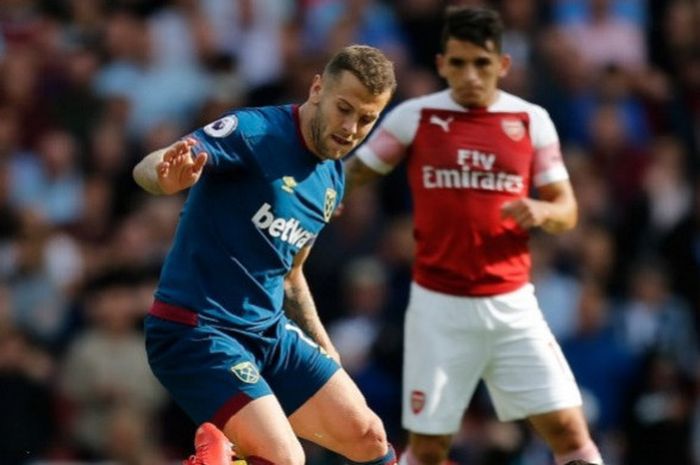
{"points": [[88, 87]]}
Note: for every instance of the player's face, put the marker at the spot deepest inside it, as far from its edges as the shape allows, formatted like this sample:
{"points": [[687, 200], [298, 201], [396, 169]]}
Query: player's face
{"points": [[472, 71], [345, 113]]}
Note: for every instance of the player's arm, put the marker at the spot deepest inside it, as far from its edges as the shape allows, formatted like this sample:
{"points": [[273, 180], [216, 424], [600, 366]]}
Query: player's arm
{"points": [[357, 173], [170, 169], [299, 305], [555, 211], [382, 152]]}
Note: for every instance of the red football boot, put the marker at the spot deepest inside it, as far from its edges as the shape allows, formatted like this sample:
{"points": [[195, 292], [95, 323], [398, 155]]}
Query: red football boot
{"points": [[211, 447]]}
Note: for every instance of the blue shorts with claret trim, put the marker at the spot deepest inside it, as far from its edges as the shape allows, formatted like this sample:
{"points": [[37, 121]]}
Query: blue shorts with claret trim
{"points": [[212, 372]]}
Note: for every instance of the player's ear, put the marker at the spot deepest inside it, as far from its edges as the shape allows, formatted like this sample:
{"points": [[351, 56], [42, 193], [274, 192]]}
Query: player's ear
{"points": [[506, 62], [440, 64], [315, 90]]}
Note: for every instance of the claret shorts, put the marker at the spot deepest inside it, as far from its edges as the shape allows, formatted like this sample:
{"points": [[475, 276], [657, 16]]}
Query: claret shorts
{"points": [[213, 371]]}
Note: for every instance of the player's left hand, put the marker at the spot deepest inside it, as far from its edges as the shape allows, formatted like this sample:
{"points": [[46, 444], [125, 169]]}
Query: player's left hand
{"points": [[528, 213], [179, 170]]}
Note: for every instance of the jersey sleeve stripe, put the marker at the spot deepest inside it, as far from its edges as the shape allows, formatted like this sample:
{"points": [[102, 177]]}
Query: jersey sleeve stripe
{"points": [[548, 160], [370, 159], [555, 174], [383, 152]]}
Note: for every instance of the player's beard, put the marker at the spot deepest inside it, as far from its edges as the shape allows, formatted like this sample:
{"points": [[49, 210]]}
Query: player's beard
{"points": [[318, 129]]}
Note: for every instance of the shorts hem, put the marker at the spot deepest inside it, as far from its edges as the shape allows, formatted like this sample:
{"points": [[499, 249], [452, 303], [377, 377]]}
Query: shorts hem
{"points": [[431, 430], [540, 411], [229, 409]]}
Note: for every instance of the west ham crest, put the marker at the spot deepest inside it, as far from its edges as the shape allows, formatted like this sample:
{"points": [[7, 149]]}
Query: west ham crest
{"points": [[513, 127], [329, 204], [246, 372], [417, 401]]}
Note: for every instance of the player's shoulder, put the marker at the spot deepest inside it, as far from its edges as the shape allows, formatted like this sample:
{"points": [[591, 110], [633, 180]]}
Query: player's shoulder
{"points": [[437, 100], [257, 121], [510, 103]]}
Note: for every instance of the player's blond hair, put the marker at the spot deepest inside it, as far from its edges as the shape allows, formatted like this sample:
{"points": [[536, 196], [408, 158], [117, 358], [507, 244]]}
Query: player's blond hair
{"points": [[374, 70]]}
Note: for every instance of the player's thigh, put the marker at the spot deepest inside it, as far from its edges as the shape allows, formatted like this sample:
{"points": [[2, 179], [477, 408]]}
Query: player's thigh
{"points": [[323, 404], [209, 374], [445, 351], [261, 429], [337, 417], [297, 368], [528, 374]]}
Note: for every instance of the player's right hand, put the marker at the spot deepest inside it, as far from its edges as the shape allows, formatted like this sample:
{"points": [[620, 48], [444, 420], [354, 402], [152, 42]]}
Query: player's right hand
{"points": [[179, 170]]}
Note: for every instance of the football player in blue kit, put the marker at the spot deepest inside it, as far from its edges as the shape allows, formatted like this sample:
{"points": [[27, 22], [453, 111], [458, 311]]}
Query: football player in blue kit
{"points": [[233, 333]]}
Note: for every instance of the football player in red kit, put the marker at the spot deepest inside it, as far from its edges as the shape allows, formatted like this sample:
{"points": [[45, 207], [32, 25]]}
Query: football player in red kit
{"points": [[473, 152]]}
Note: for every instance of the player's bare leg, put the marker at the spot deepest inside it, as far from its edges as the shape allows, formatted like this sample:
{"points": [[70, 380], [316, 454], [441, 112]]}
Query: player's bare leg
{"points": [[426, 449], [262, 435], [566, 433], [337, 417]]}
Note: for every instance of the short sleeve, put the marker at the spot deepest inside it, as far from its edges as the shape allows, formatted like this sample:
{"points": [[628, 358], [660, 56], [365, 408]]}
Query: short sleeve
{"points": [[548, 163], [402, 122], [386, 147], [223, 141], [542, 130]]}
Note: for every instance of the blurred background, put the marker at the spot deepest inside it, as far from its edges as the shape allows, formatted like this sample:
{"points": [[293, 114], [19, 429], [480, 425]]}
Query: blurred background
{"points": [[88, 87]]}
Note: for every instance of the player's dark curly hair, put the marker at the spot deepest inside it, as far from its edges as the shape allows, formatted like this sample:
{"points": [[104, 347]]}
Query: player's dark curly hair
{"points": [[472, 24], [374, 70]]}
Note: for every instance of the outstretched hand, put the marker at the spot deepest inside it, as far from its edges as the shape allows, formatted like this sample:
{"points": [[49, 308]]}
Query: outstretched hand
{"points": [[179, 170]]}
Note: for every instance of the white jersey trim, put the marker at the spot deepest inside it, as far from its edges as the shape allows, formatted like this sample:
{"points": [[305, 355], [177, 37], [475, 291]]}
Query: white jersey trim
{"points": [[372, 161], [556, 174], [402, 123]]}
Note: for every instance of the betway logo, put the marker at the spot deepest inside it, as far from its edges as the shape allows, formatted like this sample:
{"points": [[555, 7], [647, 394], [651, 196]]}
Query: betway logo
{"points": [[287, 229]]}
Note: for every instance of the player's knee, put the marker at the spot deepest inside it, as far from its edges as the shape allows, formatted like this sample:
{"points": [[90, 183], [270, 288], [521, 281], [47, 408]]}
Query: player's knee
{"points": [[430, 450], [374, 437], [366, 439]]}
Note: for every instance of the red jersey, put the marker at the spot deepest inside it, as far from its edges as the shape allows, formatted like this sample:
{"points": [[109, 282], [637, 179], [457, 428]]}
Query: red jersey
{"points": [[463, 164]]}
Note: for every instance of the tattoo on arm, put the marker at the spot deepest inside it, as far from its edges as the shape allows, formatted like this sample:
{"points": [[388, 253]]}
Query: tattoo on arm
{"points": [[299, 307]]}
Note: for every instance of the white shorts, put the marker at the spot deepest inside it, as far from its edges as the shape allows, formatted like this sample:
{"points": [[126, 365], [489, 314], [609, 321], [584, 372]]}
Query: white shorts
{"points": [[451, 342]]}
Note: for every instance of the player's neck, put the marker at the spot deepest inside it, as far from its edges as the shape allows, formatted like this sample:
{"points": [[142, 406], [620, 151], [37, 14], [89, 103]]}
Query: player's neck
{"points": [[493, 98]]}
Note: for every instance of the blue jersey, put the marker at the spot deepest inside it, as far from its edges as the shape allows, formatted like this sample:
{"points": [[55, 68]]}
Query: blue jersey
{"points": [[261, 198]]}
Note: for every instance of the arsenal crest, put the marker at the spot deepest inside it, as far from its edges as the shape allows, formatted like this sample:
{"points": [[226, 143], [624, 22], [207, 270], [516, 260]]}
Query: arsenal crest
{"points": [[417, 401], [513, 127], [329, 204]]}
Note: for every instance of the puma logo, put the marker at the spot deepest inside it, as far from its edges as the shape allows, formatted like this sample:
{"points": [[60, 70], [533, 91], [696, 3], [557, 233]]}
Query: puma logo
{"points": [[443, 123]]}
